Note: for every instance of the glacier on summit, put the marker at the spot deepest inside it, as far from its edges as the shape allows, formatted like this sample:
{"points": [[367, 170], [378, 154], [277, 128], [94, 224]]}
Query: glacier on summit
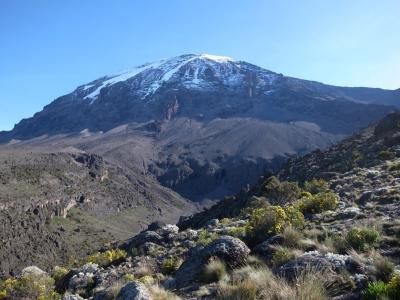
{"points": [[202, 71]]}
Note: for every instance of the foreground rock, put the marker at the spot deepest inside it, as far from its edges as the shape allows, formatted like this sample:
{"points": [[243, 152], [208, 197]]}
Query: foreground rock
{"points": [[229, 249], [134, 291]]}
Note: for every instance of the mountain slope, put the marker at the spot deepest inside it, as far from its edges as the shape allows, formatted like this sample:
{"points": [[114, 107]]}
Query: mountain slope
{"points": [[332, 238], [56, 205], [207, 125], [362, 169], [206, 87]]}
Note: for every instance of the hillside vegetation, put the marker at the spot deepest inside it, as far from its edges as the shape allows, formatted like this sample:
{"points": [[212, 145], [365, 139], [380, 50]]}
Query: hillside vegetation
{"points": [[325, 227]]}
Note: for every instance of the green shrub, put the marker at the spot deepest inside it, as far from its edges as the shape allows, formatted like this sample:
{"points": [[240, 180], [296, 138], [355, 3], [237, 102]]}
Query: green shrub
{"points": [[225, 221], [394, 287], [316, 186], [385, 155], [128, 278], [271, 220], [312, 204], [31, 286], [170, 265], [280, 193], [394, 166], [361, 238], [59, 273], [375, 291], [295, 218], [214, 271], [238, 232], [204, 237], [282, 256], [105, 259]]}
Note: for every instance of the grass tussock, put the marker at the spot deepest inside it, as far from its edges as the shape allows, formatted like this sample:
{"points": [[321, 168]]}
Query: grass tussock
{"points": [[260, 283], [159, 293], [214, 271]]}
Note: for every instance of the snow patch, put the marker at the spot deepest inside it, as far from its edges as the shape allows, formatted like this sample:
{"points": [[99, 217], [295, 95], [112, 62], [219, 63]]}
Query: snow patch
{"points": [[220, 59], [225, 71], [125, 75]]}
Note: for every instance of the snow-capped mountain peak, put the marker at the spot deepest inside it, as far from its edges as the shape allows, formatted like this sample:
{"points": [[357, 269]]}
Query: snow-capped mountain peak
{"points": [[216, 58], [192, 71]]}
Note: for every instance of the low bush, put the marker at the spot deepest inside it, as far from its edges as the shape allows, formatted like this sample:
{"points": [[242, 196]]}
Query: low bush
{"points": [[385, 155], [362, 238], [128, 278], [316, 186], [395, 166], [204, 237], [317, 203], [271, 220], [170, 265], [280, 193], [59, 273], [394, 287], [31, 286], [238, 232], [375, 291], [225, 221], [105, 259], [282, 256]]}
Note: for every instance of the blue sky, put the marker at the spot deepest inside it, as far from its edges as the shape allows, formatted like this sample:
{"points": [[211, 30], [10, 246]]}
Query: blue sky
{"points": [[47, 48]]}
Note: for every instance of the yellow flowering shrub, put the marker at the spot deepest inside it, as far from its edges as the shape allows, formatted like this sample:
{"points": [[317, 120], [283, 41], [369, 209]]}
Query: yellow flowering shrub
{"points": [[312, 204], [394, 287], [362, 238], [40, 287], [271, 220], [105, 259]]}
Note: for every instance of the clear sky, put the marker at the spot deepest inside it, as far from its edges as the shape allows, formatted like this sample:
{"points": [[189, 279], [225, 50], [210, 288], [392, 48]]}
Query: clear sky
{"points": [[47, 48]]}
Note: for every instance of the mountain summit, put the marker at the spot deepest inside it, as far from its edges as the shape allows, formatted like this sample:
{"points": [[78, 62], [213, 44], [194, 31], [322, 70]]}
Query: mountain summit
{"points": [[203, 86], [198, 72]]}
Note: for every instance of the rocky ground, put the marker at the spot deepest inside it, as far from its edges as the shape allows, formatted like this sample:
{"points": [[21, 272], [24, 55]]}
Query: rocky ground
{"points": [[325, 227]]}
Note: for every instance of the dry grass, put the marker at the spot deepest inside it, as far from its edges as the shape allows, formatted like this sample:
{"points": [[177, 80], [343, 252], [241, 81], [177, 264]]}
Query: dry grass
{"points": [[214, 271], [144, 270], [292, 237], [383, 267], [244, 290], [260, 283], [159, 293]]}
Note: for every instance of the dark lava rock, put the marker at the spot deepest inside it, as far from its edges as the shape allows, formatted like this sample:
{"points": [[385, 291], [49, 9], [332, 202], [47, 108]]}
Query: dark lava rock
{"points": [[157, 225], [292, 269], [267, 248], [229, 249]]}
